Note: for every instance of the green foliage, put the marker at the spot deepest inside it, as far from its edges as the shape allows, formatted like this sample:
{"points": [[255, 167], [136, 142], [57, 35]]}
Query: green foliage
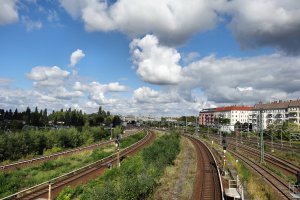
{"points": [[17, 145], [68, 193], [12, 181], [137, 176]]}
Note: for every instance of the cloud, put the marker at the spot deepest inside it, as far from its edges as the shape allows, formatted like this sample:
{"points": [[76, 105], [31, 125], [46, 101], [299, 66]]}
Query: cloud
{"points": [[221, 80], [192, 56], [5, 81], [97, 91], [8, 12], [259, 23], [52, 16], [145, 94], [155, 63], [253, 23], [31, 25], [238, 80], [76, 56], [63, 93], [47, 76], [173, 22]]}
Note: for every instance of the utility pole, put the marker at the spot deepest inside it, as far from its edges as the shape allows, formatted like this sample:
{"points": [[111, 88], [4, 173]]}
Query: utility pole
{"points": [[262, 153], [219, 130], [196, 125], [49, 191], [281, 137], [186, 124]]}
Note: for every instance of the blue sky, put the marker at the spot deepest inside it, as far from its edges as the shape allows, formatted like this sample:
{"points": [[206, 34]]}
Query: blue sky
{"points": [[162, 58]]}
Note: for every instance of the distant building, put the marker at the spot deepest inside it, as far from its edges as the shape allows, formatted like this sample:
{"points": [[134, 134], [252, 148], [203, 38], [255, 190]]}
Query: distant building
{"points": [[276, 113], [294, 111], [234, 114], [206, 117]]}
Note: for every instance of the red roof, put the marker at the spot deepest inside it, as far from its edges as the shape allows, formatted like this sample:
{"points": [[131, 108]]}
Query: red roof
{"points": [[229, 108]]}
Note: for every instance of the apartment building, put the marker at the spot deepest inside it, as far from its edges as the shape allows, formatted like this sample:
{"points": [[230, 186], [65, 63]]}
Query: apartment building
{"points": [[233, 113], [294, 111], [206, 117], [276, 113]]}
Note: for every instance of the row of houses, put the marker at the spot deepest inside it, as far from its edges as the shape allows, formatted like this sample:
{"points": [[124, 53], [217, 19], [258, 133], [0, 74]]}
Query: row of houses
{"points": [[275, 112]]}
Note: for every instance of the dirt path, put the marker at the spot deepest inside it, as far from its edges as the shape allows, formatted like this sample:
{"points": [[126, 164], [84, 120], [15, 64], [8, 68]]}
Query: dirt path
{"points": [[178, 180]]}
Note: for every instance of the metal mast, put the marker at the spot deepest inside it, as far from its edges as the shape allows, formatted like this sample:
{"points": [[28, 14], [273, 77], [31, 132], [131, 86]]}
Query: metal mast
{"points": [[262, 149]]}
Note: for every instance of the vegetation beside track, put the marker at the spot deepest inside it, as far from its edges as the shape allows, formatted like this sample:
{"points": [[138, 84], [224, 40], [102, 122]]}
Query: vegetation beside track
{"points": [[30, 143], [12, 181], [178, 179], [255, 184], [135, 179]]}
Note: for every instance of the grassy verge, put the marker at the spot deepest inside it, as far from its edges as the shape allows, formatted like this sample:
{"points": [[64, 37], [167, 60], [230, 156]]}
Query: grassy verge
{"points": [[174, 179], [135, 179], [13, 181], [255, 184]]}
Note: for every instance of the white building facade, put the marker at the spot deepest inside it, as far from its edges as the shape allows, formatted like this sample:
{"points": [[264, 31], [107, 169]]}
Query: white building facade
{"points": [[276, 113]]}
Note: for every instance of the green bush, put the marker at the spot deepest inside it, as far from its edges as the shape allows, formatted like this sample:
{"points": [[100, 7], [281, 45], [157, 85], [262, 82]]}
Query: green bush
{"points": [[138, 175]]}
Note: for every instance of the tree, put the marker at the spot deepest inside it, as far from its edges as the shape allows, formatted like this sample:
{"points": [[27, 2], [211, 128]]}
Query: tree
{"points": [[116, 121]]}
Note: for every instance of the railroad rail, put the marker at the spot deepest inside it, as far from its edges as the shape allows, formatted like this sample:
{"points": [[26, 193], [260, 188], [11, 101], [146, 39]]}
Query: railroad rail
{"points": [[254, 142], [280, 186], [81, 175], [279, 162], [283, 164], [208, 184], [39, 159]]}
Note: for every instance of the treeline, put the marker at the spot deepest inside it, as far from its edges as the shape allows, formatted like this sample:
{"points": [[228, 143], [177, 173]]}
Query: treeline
{"points": [[135, 179], [18, 145], [16, 120]]}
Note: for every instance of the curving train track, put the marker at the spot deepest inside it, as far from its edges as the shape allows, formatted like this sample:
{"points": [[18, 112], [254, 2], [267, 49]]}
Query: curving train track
{"points": [[208, 185], [79, 176], [244, 153]]}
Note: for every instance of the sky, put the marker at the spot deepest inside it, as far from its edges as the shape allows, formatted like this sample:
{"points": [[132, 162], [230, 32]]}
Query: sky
{"points": [[150, 57]]}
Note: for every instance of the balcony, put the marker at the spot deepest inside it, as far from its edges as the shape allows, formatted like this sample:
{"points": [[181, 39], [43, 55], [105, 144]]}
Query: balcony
{"points": [[293, 114], [269, 116], [293, 120], [269, 121], [278, 116]]}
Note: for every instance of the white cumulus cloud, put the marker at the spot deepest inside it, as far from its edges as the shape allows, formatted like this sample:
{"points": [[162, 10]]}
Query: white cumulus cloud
{"points": [[47, 76], [97, 91], [155, 63], [76, 56], [173, 22], [8, 12]]}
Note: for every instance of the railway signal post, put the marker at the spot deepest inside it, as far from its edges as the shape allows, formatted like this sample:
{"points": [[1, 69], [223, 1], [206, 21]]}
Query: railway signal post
{"points": [[118, 150]]}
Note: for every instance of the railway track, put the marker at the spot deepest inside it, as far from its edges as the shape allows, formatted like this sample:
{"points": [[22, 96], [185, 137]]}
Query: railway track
{"points": [[24, 163], [279, 185], [253, 142], [282, 164], [208, 185], [285, 165], [79, 176]]}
